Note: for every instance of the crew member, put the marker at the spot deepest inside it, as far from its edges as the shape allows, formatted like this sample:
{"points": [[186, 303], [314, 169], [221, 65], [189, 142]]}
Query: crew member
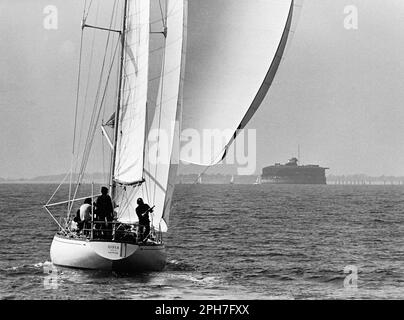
{"points": [[142, 211], [85, 213], [104, 208]]}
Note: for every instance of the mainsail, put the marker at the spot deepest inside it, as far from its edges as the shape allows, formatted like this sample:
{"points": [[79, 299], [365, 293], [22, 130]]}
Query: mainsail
{"points": [[235, 74], [151, 158]]}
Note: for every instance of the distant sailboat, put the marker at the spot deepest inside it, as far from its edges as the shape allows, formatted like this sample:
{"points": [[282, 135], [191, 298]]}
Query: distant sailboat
{"points": [[135, 171], [232, 179], [199, 181], [258, 181]]}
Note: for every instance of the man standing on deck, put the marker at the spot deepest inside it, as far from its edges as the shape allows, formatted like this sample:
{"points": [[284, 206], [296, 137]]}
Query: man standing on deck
{"points": [[104, 208], [142, 211]]}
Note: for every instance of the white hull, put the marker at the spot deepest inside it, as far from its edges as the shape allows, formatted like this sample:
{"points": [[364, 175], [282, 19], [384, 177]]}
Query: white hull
{"points": [[107, 255]]}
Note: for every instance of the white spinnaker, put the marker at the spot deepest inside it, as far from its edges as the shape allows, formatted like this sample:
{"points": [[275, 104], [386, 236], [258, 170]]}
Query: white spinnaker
{"points": [[132, 118], [234, 76], [158, 168]]}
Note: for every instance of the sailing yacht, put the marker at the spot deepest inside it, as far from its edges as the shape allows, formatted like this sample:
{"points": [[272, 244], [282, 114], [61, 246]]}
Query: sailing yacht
{"points": [[147, 133], [232, 179], [136, 171], [258, 181]]}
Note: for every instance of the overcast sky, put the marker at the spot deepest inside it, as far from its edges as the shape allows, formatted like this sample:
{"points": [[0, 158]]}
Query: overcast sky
{"points": [[339, 93]]}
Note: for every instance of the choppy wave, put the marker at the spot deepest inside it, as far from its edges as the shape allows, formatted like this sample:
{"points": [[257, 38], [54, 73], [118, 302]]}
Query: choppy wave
{"points": [[176, 265]]}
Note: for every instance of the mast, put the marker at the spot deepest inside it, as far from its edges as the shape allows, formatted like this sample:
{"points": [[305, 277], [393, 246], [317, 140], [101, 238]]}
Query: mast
{"points": [[123, 32]]}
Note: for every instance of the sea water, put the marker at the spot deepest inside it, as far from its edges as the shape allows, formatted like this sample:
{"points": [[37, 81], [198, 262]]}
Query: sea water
{"points": [[226, 242]]}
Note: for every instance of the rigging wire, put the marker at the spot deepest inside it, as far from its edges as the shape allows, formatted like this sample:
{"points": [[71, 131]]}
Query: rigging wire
{"points": [[98, 88], [96, 98], [103, 156], [78, 81], [93, 128], [89, 7], [69, 205], [104, 110], [163, 19], [95, 114], [89, 73]]}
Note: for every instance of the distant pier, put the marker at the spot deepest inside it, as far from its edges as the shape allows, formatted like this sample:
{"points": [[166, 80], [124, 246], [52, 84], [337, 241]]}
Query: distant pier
{"points": [[364, 180]]}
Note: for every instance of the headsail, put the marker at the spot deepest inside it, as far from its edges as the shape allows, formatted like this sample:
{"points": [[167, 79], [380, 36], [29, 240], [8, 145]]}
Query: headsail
{"points": [[157, 169], [230, 86], [132, 118]]}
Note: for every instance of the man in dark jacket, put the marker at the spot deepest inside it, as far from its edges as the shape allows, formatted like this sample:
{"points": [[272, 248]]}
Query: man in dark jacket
{"points": [[142, 211], [104, 208]]}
